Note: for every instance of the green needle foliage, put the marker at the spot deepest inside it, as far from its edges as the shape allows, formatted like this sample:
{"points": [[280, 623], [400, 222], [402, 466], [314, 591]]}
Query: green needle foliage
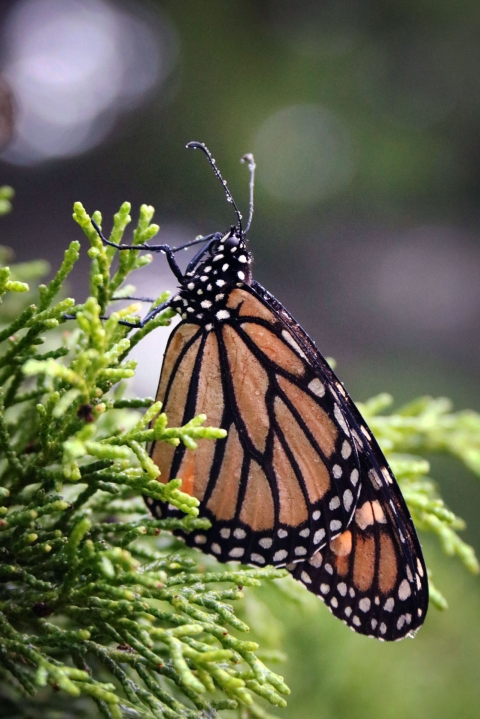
{"points": [[99, 601]]}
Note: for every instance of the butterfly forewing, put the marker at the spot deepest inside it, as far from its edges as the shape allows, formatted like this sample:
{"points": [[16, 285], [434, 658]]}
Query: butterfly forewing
{"points": [[285, 481]]}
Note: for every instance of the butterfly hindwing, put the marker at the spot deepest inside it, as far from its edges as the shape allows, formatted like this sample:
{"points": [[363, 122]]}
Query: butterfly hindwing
{"points": [[373, 576], [285, 481]]}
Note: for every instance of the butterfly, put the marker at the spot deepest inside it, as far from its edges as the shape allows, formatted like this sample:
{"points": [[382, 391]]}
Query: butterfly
{"points": [[299, 482]]}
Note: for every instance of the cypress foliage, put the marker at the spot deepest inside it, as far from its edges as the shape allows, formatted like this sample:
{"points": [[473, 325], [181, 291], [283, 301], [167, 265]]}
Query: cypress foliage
{"points": [[98, 601]]}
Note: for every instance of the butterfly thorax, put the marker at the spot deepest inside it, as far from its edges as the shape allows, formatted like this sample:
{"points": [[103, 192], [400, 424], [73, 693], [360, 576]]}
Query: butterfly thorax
{"points": [[204, 289]]}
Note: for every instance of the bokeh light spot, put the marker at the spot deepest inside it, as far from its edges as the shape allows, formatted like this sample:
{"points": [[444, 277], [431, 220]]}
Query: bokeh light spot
{"points": [[303, 152], [74, 67]]}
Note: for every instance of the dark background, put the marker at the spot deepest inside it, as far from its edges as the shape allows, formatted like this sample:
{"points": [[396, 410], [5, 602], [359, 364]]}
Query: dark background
{"points": [[364, 119]]}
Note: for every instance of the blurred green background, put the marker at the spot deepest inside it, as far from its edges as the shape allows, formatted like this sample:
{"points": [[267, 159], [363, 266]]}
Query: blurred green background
{"points": [[364, 119]]}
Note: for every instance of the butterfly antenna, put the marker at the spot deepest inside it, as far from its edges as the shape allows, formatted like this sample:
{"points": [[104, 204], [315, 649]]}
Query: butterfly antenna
{"points": [[206, 151], [250, 160]]}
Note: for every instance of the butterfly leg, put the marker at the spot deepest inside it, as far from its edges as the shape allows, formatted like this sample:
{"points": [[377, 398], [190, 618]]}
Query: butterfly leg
{"points": [[134, 325], [135, 299], [165, 249]]}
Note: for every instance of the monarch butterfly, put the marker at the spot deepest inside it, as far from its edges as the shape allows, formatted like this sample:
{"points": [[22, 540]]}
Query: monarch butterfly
{"points": [[299, 481]]}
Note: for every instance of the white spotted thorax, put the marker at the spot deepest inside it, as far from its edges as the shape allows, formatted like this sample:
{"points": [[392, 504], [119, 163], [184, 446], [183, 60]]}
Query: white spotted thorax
{"points": [[204, 290]]}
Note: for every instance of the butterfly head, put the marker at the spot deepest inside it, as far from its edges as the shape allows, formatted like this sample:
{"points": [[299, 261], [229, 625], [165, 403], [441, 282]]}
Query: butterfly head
{"points": [[205, 288]]}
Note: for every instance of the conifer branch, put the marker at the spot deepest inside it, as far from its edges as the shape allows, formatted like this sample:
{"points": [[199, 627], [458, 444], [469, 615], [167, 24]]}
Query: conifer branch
{"points": [[97, 598]]}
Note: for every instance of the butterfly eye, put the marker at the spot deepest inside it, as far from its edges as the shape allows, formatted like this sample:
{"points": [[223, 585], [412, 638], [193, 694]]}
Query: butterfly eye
{"points": [[232, 242]]}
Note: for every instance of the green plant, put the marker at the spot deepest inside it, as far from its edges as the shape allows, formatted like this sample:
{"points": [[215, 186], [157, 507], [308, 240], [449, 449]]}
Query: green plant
{"points": [[98, 600]]}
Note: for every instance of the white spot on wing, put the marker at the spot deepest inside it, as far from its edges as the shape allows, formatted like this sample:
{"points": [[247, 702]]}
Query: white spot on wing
{"points": [[374, 479], [257, 558], [389, 604], [380, 515], [318, 536], [316, 387], [305, 578], [364, 431], [346, 450], [280, 555], [364, 604], [340, 418], [334, 503], [236, 552], [387, 475], [404, 590], [265, 542], [347, 499], [222, 315], [364, 516], [288, 337], [239, 533], [316, 560]]}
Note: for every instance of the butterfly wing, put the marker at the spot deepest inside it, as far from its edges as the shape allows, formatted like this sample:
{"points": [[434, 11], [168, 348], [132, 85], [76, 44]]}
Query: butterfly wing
{"points": [[299, 471], [373, 576], [285, 481]]}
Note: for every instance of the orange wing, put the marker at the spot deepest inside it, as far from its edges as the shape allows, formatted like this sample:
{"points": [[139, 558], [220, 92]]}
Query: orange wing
{"points": [[372, 576], [286, 479]]}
